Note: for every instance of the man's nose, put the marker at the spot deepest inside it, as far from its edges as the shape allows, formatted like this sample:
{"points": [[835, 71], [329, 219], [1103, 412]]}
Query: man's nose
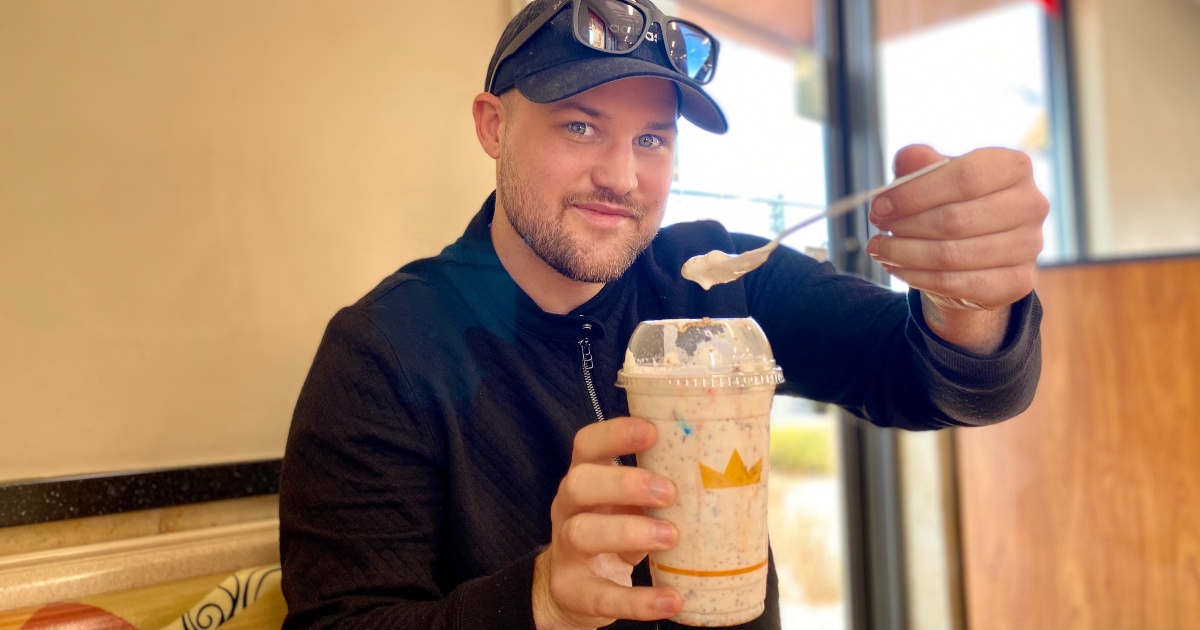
{"points": [[617, 169]]}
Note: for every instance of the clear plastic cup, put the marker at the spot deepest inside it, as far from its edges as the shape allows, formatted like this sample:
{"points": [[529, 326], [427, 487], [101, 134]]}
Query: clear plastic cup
{"points": [[707, 385]]}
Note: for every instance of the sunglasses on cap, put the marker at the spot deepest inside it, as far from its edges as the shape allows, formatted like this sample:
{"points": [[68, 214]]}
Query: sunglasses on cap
{"points": [[619, 27]]}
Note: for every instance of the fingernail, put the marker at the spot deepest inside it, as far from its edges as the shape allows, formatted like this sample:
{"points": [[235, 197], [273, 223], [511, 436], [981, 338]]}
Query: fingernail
{"points": [[667, 604], [661, 489], [664, 533], [881, 207], [873, 248], [640, 431]]}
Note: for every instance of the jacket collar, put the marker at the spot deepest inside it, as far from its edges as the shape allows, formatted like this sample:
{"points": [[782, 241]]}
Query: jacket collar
{"points": [[482, 270]]}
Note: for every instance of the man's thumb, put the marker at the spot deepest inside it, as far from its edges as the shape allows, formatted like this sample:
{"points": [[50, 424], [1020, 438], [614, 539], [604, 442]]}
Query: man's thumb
{"points": [[914, 157]]}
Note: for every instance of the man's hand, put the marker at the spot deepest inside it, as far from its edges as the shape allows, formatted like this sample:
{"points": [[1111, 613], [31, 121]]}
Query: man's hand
{"points": [[584, 577], [967, 235]]}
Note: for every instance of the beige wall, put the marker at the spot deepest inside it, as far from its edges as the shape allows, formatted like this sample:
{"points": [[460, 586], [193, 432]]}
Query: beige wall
{"points": [[1138, 71], [189, 189]]}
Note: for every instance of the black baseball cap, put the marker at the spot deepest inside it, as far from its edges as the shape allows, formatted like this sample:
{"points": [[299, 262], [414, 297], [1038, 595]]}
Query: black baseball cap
{"points": [[552, 65]]}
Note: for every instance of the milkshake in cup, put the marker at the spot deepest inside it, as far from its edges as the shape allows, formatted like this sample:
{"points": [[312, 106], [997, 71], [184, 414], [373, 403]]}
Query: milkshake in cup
{"points": [[707, 385]]}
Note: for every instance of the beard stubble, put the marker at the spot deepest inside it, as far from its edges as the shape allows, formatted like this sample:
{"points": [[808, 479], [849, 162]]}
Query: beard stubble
{"points": [[544, 229]]}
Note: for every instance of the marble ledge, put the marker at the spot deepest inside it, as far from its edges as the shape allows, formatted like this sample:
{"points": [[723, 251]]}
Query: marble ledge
{"points": [[68, 573], [23, 539]]}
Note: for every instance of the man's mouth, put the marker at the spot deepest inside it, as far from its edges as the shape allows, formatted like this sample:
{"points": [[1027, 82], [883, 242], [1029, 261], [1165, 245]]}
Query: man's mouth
{"points": [[605, 209]]}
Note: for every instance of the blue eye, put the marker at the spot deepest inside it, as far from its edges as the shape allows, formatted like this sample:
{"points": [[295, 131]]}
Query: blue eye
{"points": [[579, 128], [649, 141]]}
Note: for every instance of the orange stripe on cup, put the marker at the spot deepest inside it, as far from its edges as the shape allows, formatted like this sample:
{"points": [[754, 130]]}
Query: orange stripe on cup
{"points": [[695, 573]]}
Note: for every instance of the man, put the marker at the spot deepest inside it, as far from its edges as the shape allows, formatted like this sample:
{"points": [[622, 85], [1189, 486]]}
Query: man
{"points": [[446, 467]]}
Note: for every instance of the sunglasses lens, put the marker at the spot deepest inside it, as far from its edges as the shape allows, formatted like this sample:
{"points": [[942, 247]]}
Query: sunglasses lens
{"points": [[610, 24], [691, 50]]}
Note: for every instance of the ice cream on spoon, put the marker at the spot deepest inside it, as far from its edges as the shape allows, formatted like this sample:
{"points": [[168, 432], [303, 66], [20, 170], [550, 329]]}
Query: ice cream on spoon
{"points": [[717, 267]]}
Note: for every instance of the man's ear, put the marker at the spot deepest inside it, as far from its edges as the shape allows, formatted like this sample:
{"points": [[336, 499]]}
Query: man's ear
{"points": [[489, 115]]}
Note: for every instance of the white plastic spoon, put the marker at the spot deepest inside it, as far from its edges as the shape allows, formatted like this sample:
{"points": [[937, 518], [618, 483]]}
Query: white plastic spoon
{"points": [[717, 267]]}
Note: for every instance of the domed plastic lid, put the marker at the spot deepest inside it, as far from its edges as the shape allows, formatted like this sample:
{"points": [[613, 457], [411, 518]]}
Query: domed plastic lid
{"points": [[699, 353]]}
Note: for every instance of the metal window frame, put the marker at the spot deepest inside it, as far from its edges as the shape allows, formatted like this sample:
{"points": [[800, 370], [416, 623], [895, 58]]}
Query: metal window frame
{"points": [[1064, 126], [874, 550]]}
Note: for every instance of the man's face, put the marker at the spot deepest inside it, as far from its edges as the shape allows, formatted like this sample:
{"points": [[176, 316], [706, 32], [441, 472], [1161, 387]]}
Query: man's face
{"points": [[584, 181]]}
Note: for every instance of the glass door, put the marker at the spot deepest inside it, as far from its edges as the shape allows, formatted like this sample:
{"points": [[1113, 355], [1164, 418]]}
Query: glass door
{"points": [[961, 76]]}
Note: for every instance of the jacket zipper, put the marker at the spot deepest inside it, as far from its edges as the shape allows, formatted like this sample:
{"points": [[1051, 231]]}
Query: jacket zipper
{"points": [[585, 351], [585, 347]]}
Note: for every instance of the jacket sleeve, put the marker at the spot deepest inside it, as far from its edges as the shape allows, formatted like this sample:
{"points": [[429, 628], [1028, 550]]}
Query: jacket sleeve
{"points": [[844, 340], [361, 503]]}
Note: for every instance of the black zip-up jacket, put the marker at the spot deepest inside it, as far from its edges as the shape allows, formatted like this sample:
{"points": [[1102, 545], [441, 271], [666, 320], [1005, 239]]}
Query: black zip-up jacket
{"points": [[438, 417]]}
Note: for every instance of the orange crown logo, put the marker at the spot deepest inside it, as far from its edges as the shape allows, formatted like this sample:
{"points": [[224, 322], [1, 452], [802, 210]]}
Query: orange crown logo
{"points": [[736, 474]]}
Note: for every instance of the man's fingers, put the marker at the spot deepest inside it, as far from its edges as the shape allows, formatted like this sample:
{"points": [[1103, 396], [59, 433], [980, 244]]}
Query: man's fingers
{"points": [[602, 441], [592, 534], [998, 212], [972, 176], [990, 288], [593, 524], [590, 486], [590, 598], [632, 558], [971, 230], [914, 157], [1016, 247]]}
